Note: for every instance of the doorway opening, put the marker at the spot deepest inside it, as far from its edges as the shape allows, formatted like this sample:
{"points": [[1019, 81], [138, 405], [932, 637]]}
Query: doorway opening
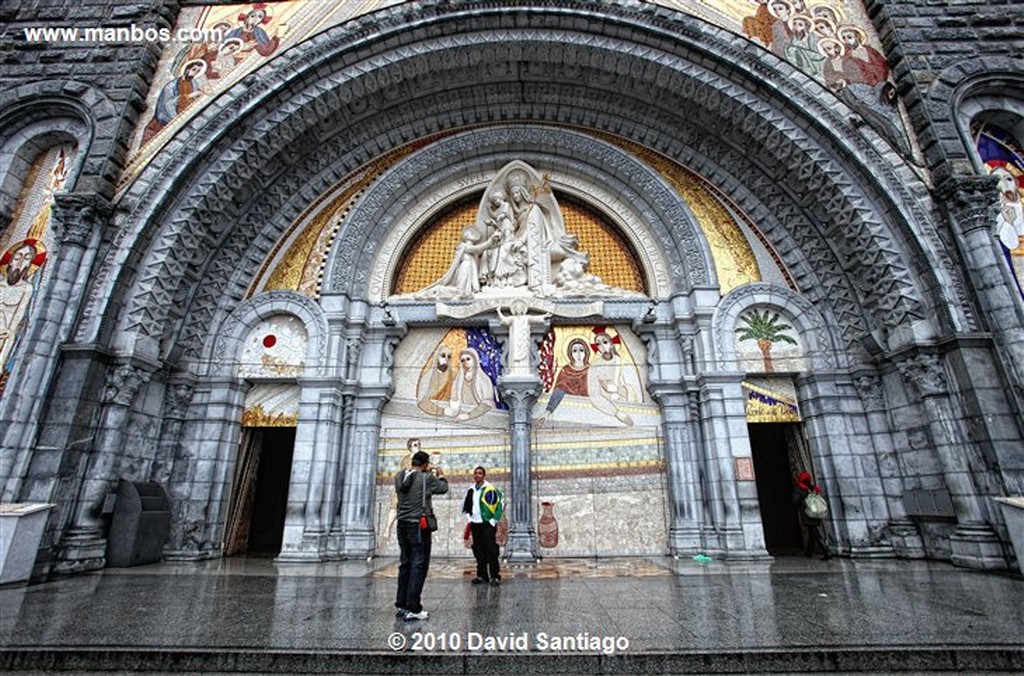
{"points": [[772, 447], [259, 496]]}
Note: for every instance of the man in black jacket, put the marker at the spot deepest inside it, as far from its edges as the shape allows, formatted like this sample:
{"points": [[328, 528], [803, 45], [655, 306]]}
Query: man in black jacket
{"points": [[415, 486]]}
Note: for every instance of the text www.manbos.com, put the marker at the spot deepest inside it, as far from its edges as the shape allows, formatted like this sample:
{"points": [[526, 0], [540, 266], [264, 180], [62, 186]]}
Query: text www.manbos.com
{"points": [[131, 33]]}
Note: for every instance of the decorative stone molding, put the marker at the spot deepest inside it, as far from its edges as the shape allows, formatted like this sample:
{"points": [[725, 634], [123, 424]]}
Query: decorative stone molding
{"points": [[177, 399], [123, 383], [869, 387], [926, 373], [78, 216], [973, 201]]}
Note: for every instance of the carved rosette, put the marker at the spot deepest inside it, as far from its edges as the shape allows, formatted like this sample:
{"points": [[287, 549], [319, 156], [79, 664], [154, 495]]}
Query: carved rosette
{"points": [[926, 373], [77, 216], [123, 383]]}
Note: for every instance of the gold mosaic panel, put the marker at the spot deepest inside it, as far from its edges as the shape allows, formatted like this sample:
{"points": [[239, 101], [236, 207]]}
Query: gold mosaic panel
{"points": [[611, 257], [429, 255]]}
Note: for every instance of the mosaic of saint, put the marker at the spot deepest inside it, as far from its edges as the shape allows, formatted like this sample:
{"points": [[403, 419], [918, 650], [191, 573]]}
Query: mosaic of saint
{"points": [[24, 245], [830, 40], [1002, 156]]}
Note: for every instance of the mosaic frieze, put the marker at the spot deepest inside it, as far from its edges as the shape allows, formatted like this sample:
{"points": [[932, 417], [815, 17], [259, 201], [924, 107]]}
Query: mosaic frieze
{"points": [[830, 40], [596, 442]]}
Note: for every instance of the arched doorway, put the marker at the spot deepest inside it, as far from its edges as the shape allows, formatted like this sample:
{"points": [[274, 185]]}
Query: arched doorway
{"points": [[260, 492]]}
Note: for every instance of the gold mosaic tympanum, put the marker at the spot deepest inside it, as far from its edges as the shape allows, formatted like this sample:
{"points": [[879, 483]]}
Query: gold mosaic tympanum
{"points": [[430, 254]]}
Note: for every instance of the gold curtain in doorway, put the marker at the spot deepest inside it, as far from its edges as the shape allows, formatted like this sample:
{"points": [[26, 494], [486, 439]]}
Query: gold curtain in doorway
{"points": [[243, 492]]}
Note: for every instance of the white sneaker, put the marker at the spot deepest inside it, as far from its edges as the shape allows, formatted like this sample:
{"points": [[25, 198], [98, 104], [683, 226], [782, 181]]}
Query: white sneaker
{"points": [[412, 617]]}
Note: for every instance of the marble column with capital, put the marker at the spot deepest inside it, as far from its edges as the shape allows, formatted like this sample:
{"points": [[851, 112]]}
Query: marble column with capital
{"points": [[520, 393]]}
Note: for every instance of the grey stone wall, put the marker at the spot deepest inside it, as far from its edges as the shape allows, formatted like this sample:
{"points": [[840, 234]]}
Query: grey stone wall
{"points": [[932, 45], [36, 71]]}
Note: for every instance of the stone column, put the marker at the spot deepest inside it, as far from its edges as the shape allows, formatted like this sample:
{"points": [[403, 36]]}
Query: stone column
{"points": [[972, 205], [520, 394], [78, 221], [903, 532], [83, 546], [685, 492], [312, 492], [737, 528], [974, 543], [359, 472]]}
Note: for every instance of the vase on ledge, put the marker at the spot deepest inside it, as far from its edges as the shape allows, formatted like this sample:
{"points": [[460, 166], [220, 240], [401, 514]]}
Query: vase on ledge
{"points": [[547, 526]]}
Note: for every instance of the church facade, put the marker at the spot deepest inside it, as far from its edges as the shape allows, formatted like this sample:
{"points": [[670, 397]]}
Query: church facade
{"points": [[645, 262]]}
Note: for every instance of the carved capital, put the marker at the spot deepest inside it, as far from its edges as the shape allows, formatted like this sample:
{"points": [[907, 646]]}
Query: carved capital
{"points": [[669, 394], [926, 373], [77, 216], [353, 348], [178, 397], [869, 387], [973, 201], [520, 396], [123, 383]]}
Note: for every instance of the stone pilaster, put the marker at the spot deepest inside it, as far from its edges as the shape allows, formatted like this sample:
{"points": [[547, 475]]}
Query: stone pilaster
{"points": [[84, 544], [202, 478], [686, 495], [359, 472], [974, 543], [78, 221], [903, 532], [177, 397], [736, 531], [316, 462], [520, 395]]}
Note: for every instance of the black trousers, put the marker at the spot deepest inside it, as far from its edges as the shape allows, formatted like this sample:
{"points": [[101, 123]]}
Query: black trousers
{"points": [[414, 545], [814, 537], [485, 550]]}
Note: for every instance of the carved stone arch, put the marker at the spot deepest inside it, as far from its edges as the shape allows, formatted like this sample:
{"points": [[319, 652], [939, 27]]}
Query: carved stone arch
{"points": [[650, 215], [34, 119], [220, 355], [320, 115], [808, 322], [960, 92]]}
